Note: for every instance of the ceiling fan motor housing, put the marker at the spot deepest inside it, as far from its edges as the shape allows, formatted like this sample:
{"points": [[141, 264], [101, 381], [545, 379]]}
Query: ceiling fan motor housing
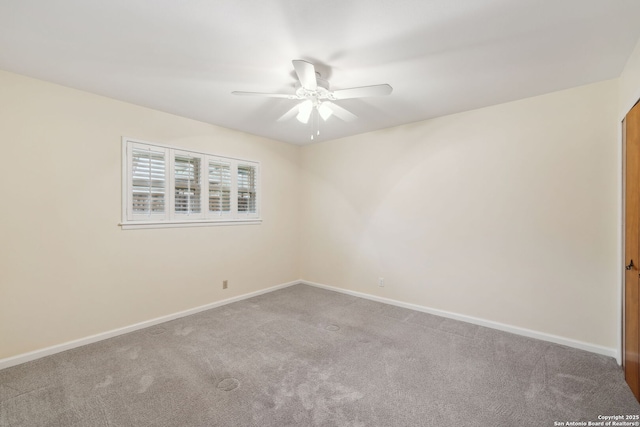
{"points": [[321, 92]]}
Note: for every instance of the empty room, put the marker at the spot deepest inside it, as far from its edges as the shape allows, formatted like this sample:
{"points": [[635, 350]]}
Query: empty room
{"points": [[304, 213]]}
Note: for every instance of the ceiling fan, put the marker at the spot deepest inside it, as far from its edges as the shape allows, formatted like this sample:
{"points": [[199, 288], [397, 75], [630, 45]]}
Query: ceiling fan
{"points": [[316, 96]]}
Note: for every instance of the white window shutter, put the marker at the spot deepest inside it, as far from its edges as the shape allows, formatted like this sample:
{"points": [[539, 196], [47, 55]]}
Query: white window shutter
{"points": [[219, 187], [187, 183], [247, 179], [147, 182], [166, 186]]}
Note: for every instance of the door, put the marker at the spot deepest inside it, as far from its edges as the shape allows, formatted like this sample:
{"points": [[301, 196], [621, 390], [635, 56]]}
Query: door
{"points": [[631, 353]]}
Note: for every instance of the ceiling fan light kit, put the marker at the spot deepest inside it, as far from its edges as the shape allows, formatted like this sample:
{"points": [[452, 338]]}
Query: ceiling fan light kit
{"points": [[325, 111], [304, 111], [316, 96]]}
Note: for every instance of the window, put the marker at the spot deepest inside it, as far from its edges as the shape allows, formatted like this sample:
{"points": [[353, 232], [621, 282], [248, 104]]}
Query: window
{"points": [[167, 187], [147, 182], [219, 187], [187, 184], [246, 188]]}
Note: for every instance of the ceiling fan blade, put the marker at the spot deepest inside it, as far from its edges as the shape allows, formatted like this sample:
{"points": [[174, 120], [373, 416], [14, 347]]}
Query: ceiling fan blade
{"points": [[268, 95], [306, 74], [340, 112], [289, 114], [363, 92]]}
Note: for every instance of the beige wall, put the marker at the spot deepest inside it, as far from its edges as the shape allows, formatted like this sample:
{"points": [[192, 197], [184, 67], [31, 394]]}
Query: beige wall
{"points": [[67, 270], [508, 213]]}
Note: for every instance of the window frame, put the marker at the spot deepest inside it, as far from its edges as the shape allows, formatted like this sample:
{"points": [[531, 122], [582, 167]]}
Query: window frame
{"points": [[170, 218]]}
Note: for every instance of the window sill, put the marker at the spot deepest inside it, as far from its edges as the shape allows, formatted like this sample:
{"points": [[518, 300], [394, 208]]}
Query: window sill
{"points": [[133, 225]]}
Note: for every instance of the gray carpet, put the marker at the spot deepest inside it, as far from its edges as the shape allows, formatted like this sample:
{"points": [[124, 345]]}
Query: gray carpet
{"points": [[304, 356]]}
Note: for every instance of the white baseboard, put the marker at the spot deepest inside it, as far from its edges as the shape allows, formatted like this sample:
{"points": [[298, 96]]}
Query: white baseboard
{"points": [[37, 354], [611, 352], [32, 355]]}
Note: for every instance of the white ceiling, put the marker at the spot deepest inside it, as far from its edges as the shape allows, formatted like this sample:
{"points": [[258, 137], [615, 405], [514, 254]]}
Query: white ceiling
{"points": [[441, 56]]}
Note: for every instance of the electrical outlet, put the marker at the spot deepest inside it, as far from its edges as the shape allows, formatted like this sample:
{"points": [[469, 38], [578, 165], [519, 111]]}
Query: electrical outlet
{"points": [[224, 284], [381, 282]]}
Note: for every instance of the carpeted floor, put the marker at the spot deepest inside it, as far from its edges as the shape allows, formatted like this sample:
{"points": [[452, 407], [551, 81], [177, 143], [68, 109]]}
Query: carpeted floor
{"points": [[304, 356]]}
